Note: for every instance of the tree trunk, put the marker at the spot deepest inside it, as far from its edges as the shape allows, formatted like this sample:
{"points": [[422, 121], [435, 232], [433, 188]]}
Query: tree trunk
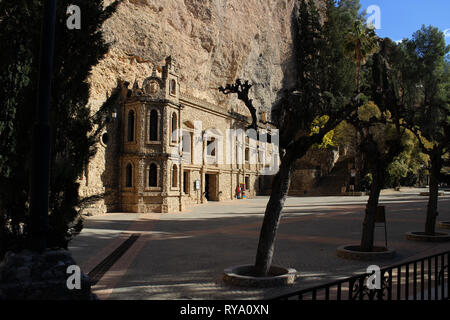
{"points": [[430, 224], [358, 65], [371, 210], [357, 157], [358, 73], [357, 164], [272, 215]]}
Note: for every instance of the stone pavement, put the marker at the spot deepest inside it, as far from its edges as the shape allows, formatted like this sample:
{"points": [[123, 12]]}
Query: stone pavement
{"points": [[182, 255]]}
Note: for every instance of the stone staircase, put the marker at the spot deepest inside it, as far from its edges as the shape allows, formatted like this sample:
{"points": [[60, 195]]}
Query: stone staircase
{"points": [[331, 184]]}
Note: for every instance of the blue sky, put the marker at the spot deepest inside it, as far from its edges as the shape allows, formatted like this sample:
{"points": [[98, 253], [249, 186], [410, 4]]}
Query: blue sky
{"points": [[401, 18]]}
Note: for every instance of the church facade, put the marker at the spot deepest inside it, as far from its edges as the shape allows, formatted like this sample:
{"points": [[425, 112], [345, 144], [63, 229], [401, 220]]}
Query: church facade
{"points": [[164, 151]]}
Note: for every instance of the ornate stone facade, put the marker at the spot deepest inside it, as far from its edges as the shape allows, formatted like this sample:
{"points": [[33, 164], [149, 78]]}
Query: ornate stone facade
{"points": [[165, 151]]}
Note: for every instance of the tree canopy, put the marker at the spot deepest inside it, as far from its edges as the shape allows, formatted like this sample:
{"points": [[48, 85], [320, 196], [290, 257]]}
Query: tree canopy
{"points": [[75, 128]]}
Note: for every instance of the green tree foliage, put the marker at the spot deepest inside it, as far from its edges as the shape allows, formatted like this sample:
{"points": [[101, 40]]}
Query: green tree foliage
{"points": [[329, 138], [378, 123], [344, 136], [361, 42], [74, 127], [409, 165], [339, 67], [428, 81], [428, 115]]}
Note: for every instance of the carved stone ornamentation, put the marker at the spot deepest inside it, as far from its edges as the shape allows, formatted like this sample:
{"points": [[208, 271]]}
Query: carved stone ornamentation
{"points": [[152, 87]]}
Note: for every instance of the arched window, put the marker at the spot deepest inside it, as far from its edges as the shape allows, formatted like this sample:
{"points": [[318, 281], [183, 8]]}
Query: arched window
{"points": [[153, 176], [186, 187], [129, 176], [174, 127], [175, 176], [153, 125], [130, 133], [173, 87]]}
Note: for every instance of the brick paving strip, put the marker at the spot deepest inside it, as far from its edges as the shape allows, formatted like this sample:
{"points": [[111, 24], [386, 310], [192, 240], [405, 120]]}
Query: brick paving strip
{"points": [[106, 284], [98, 272], [95, 259], [109, 281]]}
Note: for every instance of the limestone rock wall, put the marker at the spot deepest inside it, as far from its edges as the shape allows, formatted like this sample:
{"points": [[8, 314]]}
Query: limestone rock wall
{"points": [[213, 41]]}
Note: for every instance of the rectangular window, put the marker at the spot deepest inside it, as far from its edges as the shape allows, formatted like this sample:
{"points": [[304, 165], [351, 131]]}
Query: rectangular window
{"points": [[211, 147], [130, 126]]}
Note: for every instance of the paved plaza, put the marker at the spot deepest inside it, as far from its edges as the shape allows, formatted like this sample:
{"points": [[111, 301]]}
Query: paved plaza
{"points": [[182, 255]]}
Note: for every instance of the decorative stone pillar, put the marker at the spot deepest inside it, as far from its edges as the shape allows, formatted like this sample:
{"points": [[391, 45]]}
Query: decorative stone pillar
{"points": [[231, 184], [181, 184], [140, 185], [165, 185]]}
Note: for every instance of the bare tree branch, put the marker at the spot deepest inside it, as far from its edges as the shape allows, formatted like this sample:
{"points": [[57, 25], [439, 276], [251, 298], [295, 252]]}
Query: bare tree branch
{"points": [[242, 90]]}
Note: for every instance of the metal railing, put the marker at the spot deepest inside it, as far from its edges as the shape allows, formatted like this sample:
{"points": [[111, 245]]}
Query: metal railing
{"points": [[422, 279]]}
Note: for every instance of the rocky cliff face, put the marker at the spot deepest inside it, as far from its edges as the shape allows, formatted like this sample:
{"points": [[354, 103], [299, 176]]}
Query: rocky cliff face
{"points": [[213, 41]]}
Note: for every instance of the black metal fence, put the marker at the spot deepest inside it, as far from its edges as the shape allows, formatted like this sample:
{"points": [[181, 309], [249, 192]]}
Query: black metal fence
{"points": [[422, 279]]}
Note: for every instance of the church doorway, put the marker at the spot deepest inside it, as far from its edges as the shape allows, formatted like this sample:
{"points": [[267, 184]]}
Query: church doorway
{"points": [[210, 187]]}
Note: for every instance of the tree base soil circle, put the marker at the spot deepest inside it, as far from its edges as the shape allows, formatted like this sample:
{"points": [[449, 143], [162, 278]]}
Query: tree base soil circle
{"points": [[444, 224], [243, 276], [422, 236], [353, 252]]}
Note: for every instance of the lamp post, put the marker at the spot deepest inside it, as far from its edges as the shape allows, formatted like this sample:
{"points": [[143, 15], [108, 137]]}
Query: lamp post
{"points": [[40, 170]]}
